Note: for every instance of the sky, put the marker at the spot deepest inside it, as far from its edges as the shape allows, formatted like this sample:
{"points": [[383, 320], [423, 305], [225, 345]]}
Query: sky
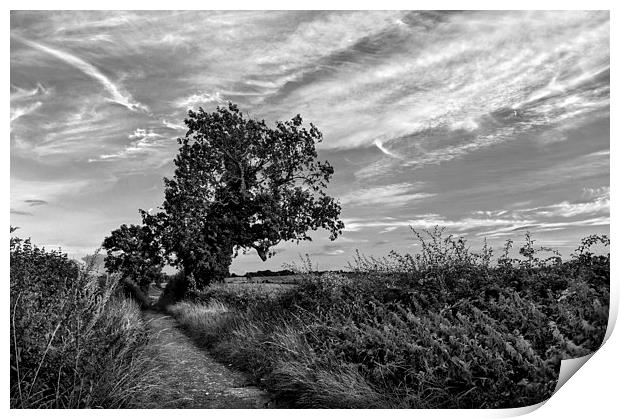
{"points": [[489, 124]]}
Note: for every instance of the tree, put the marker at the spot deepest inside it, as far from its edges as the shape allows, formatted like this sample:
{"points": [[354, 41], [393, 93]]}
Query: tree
{"points": [[135, 252], [240, 185]]}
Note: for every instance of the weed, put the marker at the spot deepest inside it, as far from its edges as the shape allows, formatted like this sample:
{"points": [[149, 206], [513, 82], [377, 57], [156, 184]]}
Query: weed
{"points": [[447, 327], [75, 341]]}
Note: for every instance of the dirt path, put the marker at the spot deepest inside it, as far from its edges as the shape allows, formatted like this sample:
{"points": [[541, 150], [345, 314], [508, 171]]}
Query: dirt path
{"points": [[195, 380]]}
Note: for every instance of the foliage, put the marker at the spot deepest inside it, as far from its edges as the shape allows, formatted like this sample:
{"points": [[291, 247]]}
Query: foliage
{"points": [[135, 253], [445, 328], [75, 342], [240, 185], [266, 272], [175, 290]]}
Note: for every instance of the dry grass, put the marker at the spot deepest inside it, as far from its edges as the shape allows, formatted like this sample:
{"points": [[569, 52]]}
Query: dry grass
{"points": [[76, 342], [278, 357], [444, 329], [81, 368]]}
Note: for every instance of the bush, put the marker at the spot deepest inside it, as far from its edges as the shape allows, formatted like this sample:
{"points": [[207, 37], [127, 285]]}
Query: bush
{"points": [[446, 328], [175, 290], [75, 341], [135, 253]]}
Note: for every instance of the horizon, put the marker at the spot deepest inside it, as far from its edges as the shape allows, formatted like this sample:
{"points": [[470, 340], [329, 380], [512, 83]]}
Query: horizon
{"points": [[488, 123]]}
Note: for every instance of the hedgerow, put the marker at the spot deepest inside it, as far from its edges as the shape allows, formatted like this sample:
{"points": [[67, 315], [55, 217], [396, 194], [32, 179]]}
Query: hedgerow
{"points": [[75, 341], [445, 328]]}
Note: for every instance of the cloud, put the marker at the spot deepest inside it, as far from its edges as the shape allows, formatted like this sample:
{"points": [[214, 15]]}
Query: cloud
{"points": [[600, 204], [601, 153], [116, 93], [384, 150], [388, 229], [463, 224], [143, 134], [109, 21], [174, 126], [344, 239], [335, 252], [199, 99], [567, 209], [144, 141], [485, 109], [20, 98], [390, 195], [499, 222], [546, 226], [601, 192], [19, 94], [24, 110], [328, 250], [17, 212], [35, 202], [38, 191], [477, 80]]}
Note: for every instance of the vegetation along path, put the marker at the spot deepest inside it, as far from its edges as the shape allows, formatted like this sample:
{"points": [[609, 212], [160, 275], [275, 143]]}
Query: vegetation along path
{"points": [[190, 377]]}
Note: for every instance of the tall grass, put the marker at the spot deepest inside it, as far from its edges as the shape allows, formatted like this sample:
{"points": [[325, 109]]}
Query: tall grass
{"points": [[446, 328], [75, 341]]}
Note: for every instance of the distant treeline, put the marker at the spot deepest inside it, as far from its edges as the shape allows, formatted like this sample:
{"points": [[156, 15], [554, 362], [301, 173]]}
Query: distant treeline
{"points": [[283, 272]]}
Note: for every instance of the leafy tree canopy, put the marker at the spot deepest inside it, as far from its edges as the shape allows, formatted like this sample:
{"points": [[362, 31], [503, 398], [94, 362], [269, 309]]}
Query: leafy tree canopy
{"points": [[240, 185], [135, 252]]}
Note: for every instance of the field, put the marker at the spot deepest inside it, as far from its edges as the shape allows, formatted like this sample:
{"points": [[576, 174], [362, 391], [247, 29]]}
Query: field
{"points": [[275, 280], [444, 329]]}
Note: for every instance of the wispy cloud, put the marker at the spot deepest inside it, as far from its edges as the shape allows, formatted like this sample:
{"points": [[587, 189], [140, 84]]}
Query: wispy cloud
{"points": [[567, 209], [390, 195], [414, 97], [18, 112], [143, 141], [143, 134], [19, 94], [116, 93], [463, 224], [199, 99], [600, 192], [490, 227], [39, 191], [26, 101], [385, 150], [428, 117], [174, 126], [494, 223], [329, 249], [600, 204], [545, 227], [35, 202], [18, 212]]}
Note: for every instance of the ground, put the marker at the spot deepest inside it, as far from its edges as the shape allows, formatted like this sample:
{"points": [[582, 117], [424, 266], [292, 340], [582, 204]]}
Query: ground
{"points": [[193, 378]]}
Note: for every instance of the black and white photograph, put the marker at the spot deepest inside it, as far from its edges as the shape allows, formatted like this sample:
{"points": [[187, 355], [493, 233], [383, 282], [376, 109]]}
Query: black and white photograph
{"points": [[306, 209]]}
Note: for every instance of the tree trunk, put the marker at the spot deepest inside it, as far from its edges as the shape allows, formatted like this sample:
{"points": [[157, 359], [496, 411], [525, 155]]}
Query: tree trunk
{"points": [[262, 252]]}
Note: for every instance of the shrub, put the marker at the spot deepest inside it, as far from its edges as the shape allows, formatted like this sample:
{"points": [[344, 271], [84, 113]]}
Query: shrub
{"points": [[445, 328], [75, 341], [175, 290], [135, 252]]}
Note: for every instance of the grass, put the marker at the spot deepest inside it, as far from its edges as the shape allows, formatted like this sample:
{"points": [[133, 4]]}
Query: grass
{"points": [[76, 342], [446, 328]]}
